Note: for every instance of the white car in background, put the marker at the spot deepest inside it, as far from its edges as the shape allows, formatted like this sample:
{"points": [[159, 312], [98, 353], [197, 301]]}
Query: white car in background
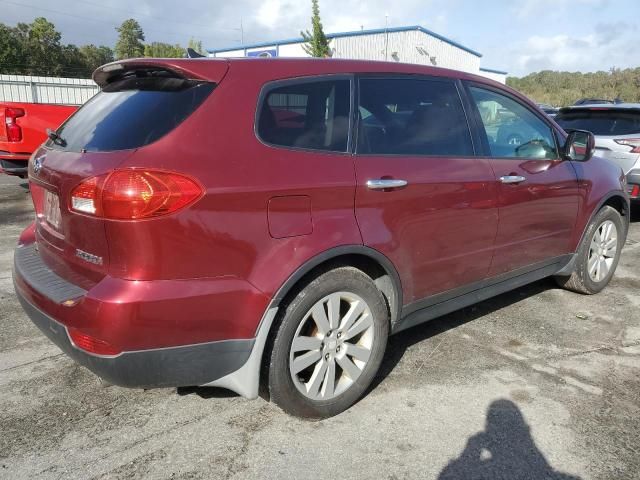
{"points": [[617, 131]]}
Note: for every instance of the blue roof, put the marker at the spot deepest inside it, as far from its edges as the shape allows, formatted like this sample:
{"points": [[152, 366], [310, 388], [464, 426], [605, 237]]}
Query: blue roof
{"points": [[491, 70], [352, 34]]}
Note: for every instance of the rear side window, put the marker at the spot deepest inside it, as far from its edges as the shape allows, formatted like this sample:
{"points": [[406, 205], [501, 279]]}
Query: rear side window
{"points": [[412, 117], [601, 122], [131, 113], [309, 115]]}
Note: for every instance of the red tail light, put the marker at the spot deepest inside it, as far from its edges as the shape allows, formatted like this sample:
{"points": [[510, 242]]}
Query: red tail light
{"points": [[634, 191], [90, 344], [14, 132], [131, 194], [630, 142]]}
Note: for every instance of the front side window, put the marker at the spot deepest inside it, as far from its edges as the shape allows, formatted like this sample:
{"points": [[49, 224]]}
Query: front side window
{"points": [[512, 129], [402, 116], [310, 115]]}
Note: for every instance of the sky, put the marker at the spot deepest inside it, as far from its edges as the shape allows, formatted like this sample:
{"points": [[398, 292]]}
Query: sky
{"points": [[518, 36]]}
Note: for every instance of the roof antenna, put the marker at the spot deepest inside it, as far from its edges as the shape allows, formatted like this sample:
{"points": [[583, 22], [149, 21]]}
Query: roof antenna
{"points": [[191, 53]]}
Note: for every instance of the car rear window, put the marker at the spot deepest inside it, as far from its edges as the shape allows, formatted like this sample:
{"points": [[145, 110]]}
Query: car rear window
{"points": [[131, 113], [601, 122]]}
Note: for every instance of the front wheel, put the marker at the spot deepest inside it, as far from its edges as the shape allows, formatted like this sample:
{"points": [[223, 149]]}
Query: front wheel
{"points": [[329, 344], [598, 255]]}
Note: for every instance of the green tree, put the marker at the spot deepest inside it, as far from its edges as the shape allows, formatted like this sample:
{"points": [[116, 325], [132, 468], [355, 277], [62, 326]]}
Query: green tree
{"points": [[41, 45], [73, 63], [316, 44], [12, 58], [163, 50], [36, 49], [94, 56], [564, 88], [131, 36], [197, 46]]}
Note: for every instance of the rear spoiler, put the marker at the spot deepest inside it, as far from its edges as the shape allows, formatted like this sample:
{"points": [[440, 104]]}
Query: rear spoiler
{"points": [[209, 69]]}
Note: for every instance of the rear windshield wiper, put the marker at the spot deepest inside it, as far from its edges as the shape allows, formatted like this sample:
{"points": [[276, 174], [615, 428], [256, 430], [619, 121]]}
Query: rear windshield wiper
{"points": [[55, 138]]}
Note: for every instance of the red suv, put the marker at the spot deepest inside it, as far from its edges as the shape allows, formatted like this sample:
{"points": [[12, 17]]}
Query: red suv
{"points": [[226, 222]]}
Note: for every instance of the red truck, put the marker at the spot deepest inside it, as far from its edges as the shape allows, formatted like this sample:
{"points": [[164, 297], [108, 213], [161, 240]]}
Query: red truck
{"points": [[25, 128]]}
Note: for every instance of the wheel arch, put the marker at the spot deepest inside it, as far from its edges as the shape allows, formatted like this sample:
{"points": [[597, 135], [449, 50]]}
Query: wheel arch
{"points": [[246, 381], [370, 261], [615, 199]]}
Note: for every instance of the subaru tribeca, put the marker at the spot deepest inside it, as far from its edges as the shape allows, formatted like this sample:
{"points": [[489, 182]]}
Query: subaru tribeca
{"points": [[248, 222]]}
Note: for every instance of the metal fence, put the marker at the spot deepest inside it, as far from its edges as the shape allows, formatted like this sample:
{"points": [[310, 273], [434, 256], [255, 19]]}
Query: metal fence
{"points": [[55, 90]]}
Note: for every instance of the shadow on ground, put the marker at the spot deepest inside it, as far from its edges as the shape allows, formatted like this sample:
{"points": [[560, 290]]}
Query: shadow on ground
{"points": [[503, 450], [399, 343], [206, 392]]}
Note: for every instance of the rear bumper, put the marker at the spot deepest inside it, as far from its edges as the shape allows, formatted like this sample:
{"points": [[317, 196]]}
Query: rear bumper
{"points": [[174, 363], [164, 367], [14, 164]]}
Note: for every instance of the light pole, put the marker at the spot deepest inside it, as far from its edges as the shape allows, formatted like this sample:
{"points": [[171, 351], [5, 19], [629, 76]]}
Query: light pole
{"points": [[386, 37]]}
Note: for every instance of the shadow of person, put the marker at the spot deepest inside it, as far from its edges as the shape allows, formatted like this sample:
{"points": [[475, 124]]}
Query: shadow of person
{"points": [[504, 450]]}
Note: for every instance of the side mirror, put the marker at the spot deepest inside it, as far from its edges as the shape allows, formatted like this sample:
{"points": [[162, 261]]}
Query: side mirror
{"points": [[579, 146]]}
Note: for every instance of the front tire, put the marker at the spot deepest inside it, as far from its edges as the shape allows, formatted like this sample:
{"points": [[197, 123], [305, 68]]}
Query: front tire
{"points": [[598, 255], [329, 344]]}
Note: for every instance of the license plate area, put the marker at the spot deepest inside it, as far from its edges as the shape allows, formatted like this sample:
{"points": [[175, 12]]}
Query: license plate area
{"points": [[52, 209]]}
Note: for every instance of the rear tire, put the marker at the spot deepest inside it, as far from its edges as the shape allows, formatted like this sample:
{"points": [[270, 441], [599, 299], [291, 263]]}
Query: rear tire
{"points": [[328, 345], [598, 255]]}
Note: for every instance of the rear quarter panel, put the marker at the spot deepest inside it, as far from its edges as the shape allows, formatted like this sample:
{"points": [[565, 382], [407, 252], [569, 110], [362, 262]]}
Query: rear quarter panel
{"points": [[226, 233]]}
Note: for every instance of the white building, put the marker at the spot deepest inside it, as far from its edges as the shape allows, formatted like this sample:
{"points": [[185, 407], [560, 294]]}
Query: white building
{"points": [[413, 44]]}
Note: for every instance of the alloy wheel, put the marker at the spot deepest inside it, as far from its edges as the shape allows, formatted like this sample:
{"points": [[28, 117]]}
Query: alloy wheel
{"points": [[331, 346], [602, 251]]}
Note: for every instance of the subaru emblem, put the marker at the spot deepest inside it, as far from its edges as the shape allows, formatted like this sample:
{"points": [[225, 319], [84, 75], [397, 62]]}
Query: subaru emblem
{"points": [[37, 164]]}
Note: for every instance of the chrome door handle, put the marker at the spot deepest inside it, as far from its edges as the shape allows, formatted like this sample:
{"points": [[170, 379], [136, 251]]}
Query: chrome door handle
{"points": [[512, 179], [384, 184]]}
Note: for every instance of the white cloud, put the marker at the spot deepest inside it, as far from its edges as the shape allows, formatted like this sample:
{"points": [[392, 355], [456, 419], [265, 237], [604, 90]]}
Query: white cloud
{"points": [[543, 10], [609, 45], [520, 36]]}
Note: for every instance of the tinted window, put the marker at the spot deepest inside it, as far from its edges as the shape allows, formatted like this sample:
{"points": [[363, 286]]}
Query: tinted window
{"points": [[601, 122], [512, 129], [412, 117], [131, 113], [311, 115]]}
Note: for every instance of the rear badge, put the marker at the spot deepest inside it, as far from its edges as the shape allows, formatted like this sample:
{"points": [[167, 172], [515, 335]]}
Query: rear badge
{"points": [[37, 164], [87, 257]]}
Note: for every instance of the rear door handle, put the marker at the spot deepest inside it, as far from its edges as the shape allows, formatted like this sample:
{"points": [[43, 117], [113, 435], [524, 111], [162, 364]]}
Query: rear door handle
{"points": [[384, 184], [512, 179]]}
